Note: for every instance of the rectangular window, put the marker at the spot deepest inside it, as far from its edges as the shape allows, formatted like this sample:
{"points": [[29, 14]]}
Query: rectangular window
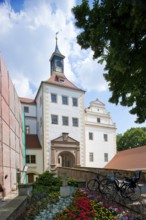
{"points": [[105, 137], [75, 122], [61, 80], [53, 98], [90, 136], [64, 100], [54, 119], [27, 129], [98, 120], [91, 157], [65, 120], [26, 109], [105, 157], [74, 101], [30, 158]]}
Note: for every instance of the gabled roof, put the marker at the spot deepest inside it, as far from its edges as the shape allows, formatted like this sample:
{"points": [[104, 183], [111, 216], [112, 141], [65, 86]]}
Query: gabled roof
{"points": [[32, 142], [27, 101], [66, 139], [130, 159], [55, 80]]}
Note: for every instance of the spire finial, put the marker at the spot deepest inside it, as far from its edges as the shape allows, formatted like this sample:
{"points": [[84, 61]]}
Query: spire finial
{"points": [[56, 36], [57, 49]]}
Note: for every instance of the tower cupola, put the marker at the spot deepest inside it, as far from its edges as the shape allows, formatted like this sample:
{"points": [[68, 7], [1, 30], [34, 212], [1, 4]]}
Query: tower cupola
{"points": [[57, 60]]}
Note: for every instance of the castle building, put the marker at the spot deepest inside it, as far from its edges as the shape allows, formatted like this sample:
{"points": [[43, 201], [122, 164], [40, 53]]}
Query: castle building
{"points": [[60, 131]]}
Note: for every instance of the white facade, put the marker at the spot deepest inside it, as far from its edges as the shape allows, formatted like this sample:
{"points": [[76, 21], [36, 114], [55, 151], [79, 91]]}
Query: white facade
{"points": [[69, 135], [100, 135], [52, 131]]}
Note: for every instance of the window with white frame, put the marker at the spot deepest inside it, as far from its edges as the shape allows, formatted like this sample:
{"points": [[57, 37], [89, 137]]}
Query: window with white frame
{"points": [[98, 120], [30, 158], [91, 157], [105, 157], [27, 129], [53, 98], [26, 109], [90, 136], [64, 120], [75, 122], [75, 102], [54, 119], [105, 136], [64, 100]]}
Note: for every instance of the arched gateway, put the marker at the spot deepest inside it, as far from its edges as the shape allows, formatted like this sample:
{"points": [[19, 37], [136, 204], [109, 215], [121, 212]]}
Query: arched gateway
{"points": [[65, 152]]}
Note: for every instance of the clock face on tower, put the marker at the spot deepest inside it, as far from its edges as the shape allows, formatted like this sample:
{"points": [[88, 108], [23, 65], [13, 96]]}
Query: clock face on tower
{"points": [[59, 66]]}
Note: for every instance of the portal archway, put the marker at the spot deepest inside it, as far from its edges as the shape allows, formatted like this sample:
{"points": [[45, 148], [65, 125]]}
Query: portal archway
{"points": [[66, 159]]}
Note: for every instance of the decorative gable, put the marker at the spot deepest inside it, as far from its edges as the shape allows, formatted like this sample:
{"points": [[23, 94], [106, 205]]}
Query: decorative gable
{"points": [[65, 139]]}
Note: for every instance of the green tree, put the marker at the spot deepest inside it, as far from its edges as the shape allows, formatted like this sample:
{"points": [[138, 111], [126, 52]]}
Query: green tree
{"points": [[134, 137], [116, 32]]}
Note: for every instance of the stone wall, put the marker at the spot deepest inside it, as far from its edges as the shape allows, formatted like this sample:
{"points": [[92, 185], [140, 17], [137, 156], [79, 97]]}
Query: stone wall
{"points": [[88, 173]]}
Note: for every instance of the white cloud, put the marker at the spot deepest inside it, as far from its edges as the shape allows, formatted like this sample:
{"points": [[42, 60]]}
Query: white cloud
{"points": [[27, 40]]}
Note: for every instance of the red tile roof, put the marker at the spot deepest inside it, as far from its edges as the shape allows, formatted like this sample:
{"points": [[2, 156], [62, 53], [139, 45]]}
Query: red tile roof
{"points": [[54, 79], [32, 142], [130, 159], [27, 101]]}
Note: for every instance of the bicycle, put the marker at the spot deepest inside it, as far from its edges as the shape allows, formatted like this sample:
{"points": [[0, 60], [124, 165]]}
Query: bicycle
{"points": [[93, 184], [128, 188]]}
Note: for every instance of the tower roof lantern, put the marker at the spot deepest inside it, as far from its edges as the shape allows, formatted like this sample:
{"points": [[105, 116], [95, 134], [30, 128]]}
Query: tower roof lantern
{"points": [[57, 51]]}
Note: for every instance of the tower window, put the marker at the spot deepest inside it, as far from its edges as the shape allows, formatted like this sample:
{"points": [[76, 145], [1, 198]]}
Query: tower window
{"points": [[98, 120], [53, 98], [105, 137], [74, 101], [75, 122], [64, 100], [54, 119], [65, 120], [90, 136]]}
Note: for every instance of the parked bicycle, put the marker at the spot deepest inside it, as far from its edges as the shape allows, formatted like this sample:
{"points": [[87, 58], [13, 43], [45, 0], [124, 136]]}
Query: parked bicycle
{"points": [[93, 184], [127, 188]]}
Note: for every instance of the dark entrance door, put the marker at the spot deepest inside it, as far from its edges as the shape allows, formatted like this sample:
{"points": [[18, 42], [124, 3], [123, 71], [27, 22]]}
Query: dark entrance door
{"points": [[30, 178]]}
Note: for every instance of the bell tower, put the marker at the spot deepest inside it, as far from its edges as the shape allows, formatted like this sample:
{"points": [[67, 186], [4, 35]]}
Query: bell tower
{"points": [[57, 61]]}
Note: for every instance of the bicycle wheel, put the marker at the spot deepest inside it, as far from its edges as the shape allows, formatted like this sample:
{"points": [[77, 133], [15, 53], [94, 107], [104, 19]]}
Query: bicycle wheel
{"points": [[132, 193], [92, 185], [107, 189]]}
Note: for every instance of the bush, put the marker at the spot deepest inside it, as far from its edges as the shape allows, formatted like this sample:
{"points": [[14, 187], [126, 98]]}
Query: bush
{"points": [[72, 182], [46, 183]]}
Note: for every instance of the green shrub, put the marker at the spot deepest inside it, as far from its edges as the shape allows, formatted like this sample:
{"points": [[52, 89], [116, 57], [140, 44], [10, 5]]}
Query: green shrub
{"points": [[46, 183], [72, 182]]}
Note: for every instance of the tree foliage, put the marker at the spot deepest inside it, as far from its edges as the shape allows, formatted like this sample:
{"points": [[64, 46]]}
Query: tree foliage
{"points": [[134, 137], [116, 32]]}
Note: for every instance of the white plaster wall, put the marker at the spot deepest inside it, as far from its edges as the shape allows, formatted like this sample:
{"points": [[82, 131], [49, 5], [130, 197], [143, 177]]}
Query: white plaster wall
{"points": [[32, 122], [52, 131], [32, 110], [38, 167], [98, 146]]}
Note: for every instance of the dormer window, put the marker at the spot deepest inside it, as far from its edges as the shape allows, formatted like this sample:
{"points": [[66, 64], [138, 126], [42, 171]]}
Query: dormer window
{"points": [[61, 80]]}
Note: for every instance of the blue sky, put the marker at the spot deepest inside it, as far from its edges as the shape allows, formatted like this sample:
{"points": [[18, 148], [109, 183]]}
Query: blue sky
{"points": [[27, 40]]}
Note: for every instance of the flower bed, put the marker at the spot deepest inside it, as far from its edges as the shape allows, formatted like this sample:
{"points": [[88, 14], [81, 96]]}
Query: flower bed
{"points": [[89, 207], [81, 206]]}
